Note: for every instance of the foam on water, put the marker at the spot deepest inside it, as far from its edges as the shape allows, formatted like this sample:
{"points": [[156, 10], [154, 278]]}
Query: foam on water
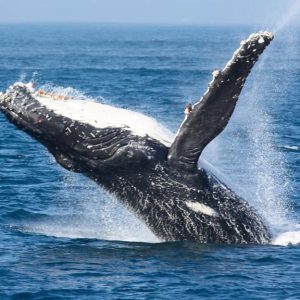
{"points": [[124, 227], [295, 148], [288, 238]]}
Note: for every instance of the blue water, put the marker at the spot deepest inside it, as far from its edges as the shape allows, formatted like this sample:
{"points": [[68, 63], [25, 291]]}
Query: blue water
{"points": [[62, 237]]}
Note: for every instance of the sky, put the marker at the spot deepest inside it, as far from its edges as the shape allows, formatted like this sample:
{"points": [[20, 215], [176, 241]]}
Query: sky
{"points": [[145, 11]]}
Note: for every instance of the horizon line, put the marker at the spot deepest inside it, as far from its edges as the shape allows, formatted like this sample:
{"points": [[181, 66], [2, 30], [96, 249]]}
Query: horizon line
{"points": [[127, 23]]}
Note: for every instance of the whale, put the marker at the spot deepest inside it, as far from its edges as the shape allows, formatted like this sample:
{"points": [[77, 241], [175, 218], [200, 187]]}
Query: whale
{"points": [[152, 172]]}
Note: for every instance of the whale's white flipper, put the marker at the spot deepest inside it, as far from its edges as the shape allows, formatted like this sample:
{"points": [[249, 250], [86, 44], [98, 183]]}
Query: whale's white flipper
{"points": [[211, 114]]}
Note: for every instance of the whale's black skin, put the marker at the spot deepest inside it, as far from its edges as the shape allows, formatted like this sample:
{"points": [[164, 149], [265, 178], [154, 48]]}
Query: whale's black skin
{"points": [[161, 185]]}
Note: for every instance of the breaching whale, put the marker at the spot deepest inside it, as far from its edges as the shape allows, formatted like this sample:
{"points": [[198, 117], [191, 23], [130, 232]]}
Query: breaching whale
{"points": [[152, 173]]}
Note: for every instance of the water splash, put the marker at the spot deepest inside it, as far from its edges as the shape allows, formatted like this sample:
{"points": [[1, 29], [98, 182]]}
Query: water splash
{"points": [[83, 210], [35, 77], [272, 180], [22, 77], [259, 167], [289, 16], [271, 184], [66, 92]]}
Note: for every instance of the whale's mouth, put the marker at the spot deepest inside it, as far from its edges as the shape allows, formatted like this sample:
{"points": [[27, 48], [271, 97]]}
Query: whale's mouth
{"points": [[84, 134], [15, 110], [20, 108], [84, 111]]}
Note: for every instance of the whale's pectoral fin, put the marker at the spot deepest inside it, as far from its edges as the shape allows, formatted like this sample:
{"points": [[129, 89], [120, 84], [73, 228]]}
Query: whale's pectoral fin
{"points": [[211, 114]]}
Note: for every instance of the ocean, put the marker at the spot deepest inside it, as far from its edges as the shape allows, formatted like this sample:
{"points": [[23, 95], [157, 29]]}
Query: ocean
{"points": [[63, 237]]}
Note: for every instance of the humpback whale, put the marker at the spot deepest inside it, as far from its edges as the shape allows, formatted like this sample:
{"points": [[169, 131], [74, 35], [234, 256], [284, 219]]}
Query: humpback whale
{"points": [[154, 174]]}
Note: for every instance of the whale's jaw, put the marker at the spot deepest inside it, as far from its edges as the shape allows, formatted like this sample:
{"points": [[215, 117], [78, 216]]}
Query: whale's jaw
{"points": [[76, 143]]}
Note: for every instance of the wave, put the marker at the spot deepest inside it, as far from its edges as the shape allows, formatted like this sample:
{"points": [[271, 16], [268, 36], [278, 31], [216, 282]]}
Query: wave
{"points": [[293, 148]]}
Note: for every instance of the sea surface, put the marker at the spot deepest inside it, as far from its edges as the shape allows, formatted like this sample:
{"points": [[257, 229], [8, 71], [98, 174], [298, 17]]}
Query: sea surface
{"points": [[63, 237]]}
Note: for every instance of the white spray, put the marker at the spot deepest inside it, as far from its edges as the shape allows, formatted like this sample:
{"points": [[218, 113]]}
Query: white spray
{"points": [[259, 167], [272, 180]]}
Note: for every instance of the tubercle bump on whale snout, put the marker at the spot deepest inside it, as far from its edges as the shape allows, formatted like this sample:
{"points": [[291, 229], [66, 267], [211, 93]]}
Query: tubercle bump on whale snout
{"points": [[261, 34], [12, 104], [260, 39], [4, 98], [14, 97], [4, 103]]}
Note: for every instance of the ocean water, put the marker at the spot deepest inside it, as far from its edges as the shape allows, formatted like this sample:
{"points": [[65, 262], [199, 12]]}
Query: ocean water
{"points": [[63, 237]]}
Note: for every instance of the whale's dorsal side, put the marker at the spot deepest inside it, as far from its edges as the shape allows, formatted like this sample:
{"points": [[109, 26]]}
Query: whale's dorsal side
{"points": [[211, 114]]}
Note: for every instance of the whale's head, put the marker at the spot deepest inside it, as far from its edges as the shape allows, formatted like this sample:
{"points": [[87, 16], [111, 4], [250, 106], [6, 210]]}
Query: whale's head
{"points": [[89, 135], [86, 135]]}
